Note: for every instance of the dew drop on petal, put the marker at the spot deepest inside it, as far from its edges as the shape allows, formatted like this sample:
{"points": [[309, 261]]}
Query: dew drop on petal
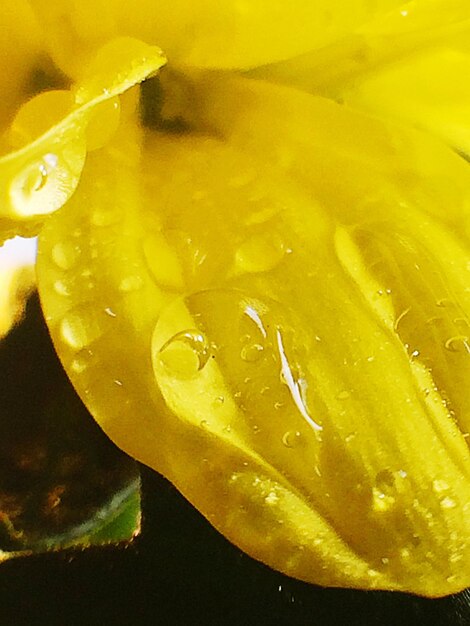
{"points": [[61, 288], [384, 491], [459, 343], [79, 328], [47, 182], [131, 283], [291, 439], [65, 254], [184, 354], [252, 352], [105, 217], [448, 503]]}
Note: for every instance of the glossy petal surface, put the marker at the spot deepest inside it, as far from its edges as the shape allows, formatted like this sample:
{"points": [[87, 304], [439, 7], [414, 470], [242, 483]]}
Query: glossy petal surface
{"points": [[277, 321], [204, 33]]}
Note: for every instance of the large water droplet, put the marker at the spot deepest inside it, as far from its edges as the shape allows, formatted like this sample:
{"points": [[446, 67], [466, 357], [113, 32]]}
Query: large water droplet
{"points": [[224, 343], [184, 354], [47, 182]]}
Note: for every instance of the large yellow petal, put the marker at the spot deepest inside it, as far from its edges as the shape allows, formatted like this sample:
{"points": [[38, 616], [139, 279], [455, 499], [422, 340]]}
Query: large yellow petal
{"points": [[236, 318], [203, 33]]}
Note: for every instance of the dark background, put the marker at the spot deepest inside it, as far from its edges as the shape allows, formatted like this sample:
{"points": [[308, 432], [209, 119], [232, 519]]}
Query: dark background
{"points": [[179, 571]]}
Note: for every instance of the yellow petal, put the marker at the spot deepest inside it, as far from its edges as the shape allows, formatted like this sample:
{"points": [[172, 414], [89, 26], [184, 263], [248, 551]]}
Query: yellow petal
{"points": [[429, 91], [40, 177], [273, 384], [387, 37], [202, 33]]}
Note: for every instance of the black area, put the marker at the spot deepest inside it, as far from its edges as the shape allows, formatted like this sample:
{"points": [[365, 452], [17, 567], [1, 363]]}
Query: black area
{"points": [[57, 468], [151, 108], [181, 572], [45, 76]]}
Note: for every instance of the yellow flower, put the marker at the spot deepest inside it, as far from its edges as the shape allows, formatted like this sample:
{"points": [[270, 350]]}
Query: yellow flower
{"points": [[257, 290]]}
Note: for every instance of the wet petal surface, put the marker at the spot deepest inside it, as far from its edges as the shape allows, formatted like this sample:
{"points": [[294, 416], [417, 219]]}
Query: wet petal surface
{"points": [[238, 321]]}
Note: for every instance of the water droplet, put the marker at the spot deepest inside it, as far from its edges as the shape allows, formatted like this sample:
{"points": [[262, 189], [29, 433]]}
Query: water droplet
{"points": [[79, 328], [404, 554], [448, 503], [383, 493], [439, 486], [109, 311], [291, 439], [272, 498], [185, 354], [343, 395], [459, 343], [46, 183], [252, 352], [80, 362], [259, 253], [131, 283], [455, 558], [242, 179], [61, 288], [105, 217], [65, 254]]}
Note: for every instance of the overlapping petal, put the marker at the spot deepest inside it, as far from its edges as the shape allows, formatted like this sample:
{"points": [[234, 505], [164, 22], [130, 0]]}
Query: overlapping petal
{"points": [[203, 33], [267, 300], [277, 321], [41, 176]]}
